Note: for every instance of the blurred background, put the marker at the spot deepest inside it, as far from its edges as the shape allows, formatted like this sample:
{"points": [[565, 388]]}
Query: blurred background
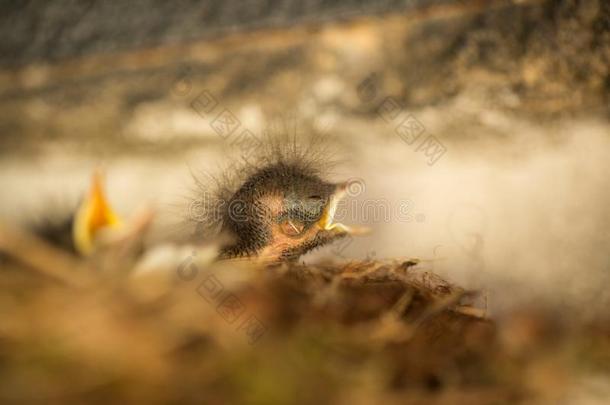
{"points": [[475, 133]]}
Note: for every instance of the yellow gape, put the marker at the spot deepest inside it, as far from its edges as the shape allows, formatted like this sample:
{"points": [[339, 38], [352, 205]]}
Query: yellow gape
{"points": [[93, 216]]}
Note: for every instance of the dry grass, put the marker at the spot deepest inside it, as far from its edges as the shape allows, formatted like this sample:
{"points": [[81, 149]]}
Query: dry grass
{"points": [[160, 329]]}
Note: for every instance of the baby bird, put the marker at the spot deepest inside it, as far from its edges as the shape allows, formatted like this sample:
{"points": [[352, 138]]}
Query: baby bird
{"points": [[79, 231], [280, 210]]}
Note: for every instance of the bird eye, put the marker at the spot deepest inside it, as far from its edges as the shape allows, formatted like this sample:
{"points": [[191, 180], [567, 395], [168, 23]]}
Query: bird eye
{"points": [[314, 197], [293, 228]]}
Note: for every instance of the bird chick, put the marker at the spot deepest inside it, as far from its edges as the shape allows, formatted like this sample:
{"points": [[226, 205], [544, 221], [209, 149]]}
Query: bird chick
{"points": [[80, 230], [281, 209]]}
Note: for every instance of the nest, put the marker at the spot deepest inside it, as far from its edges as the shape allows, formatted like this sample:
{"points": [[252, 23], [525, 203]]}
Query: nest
{"points": [[175, 326]]}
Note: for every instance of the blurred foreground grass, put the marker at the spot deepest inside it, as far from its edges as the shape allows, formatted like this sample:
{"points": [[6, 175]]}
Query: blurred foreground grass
{"points": [[176, 327]]}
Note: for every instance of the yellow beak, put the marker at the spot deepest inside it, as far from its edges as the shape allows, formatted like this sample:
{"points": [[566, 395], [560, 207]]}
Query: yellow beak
{"points": [[93, 216], [327, 220]]}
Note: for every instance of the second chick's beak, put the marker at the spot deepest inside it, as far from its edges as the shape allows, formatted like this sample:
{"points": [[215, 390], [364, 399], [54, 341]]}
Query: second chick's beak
{"points": [[94, 216]]}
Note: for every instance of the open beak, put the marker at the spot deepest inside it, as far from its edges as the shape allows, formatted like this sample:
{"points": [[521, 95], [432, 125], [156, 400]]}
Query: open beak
{"points": [[326, 221], [94, 215]]}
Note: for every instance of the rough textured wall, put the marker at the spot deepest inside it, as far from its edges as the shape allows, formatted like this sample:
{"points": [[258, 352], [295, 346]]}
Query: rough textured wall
{"points": [[39, 30], [537, 58]]}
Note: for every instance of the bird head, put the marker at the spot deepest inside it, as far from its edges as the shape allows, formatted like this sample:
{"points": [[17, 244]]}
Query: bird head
{"points": [[282, 211]]}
